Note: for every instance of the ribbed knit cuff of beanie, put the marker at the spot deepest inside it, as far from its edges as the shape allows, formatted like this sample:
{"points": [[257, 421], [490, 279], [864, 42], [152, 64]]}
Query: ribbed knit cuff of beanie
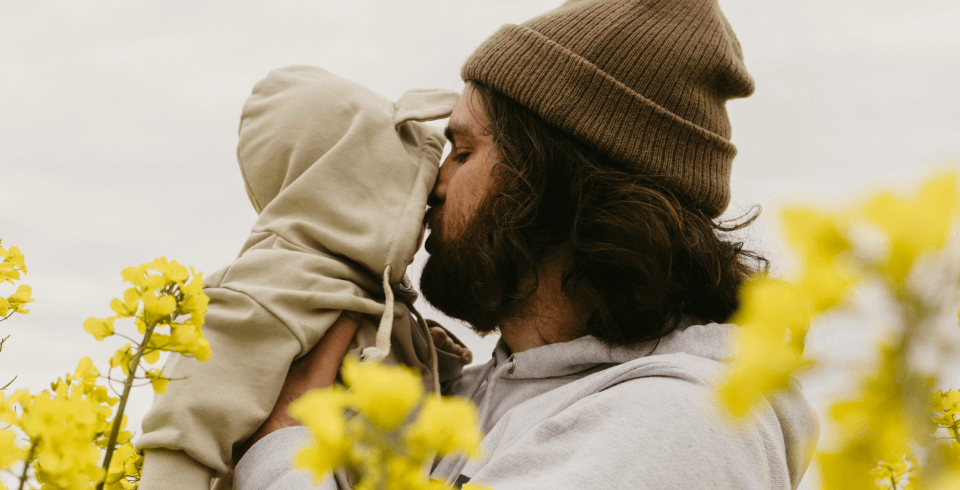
{"points": [[643, 81]]}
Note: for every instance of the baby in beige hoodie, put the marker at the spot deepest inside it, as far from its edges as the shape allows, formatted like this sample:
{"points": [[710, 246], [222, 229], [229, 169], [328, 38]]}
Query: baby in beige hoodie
{"points": [[340, 177]]}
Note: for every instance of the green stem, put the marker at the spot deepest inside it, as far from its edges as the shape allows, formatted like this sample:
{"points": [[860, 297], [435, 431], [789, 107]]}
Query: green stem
{"points": [[118, 418], [26, 463]]}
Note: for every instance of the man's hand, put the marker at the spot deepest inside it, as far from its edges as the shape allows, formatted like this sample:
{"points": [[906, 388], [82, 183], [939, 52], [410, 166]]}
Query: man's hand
{"points": [[446, 344], [317, 369]]}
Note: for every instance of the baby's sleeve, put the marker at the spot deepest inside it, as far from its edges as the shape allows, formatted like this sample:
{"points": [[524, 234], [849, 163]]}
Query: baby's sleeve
{"points": [[258, 322]]}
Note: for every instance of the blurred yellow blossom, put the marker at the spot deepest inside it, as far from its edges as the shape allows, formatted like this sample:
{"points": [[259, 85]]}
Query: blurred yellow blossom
{"points": [[10, 452], [774, 316], [916, 224], [877, 423], [364, 429], [817, 236], [446, 425], [321, 411], [386, 394]]}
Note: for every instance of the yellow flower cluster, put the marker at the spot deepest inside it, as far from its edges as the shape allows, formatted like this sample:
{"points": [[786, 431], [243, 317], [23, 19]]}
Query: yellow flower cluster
{"points": [[159, 299], [774, 314], [875, 426], [900, 474], [946, 411], [11, 267], [379, 444], [66, 428], [884, 416], [125, 468]]}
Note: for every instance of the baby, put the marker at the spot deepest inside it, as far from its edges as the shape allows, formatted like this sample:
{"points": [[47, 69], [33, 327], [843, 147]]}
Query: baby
{"points": [[340, 177]]}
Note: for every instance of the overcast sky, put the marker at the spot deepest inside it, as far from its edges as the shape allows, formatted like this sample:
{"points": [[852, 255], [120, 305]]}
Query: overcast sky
{"points": [[118, 123]]}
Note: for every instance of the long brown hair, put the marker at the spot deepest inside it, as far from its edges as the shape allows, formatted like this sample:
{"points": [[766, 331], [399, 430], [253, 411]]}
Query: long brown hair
{"points": [[642, 258]]}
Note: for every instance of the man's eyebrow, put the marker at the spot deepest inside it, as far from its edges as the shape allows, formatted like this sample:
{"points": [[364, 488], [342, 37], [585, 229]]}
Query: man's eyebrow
{"points": [[452, 130]]}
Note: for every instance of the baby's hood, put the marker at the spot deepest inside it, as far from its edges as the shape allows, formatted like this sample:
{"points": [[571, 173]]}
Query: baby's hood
{"points": [[338, 171], [332, 166]]}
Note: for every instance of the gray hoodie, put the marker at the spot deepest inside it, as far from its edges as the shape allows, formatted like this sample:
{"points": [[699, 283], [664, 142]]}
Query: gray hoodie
{"points": [[580, 414]]}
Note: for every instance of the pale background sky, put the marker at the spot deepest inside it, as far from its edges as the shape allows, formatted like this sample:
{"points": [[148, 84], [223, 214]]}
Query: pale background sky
{"points": [[118, 122]]}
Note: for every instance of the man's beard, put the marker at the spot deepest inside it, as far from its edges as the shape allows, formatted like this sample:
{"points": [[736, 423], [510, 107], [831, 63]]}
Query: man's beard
{"points": [[459, 277]]}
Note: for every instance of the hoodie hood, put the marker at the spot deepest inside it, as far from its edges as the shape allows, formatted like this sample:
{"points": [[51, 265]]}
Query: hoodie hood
{"points": [[332, 166], [338, 170]]}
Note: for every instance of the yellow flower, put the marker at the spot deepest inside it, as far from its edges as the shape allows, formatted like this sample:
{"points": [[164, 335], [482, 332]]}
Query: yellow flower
{"points": [[126, 464], [447, 425], [187, 339], [155, 306], [763, 363], [127, 307], [21, 298], [10, 452], [195, 286], [158, 381], [86, 373], [135, 275], [384, 394], [902, 471], [100, 328], [171, 270], [14, 257], [122, 357], [915, 225], [195, 304], [774, 316], [63, 425], [777, 305], [321, 411], [826, 284], [408, 474], [8, 273], [946, 411], [814, 234]]}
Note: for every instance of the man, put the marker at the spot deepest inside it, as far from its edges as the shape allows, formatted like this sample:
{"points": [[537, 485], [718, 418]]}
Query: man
{"points": [[576, 215]]}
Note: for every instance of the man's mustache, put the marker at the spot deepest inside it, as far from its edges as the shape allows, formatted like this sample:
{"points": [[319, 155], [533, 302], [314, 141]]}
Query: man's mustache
{"points": [[430, 216]]}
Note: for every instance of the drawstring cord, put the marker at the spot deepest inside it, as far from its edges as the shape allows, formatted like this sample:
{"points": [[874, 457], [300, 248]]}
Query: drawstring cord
{"points": [[382, 347]]}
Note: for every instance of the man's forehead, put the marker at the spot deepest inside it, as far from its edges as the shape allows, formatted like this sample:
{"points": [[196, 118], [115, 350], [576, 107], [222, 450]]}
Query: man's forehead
{"points": [[463, 121], [456, 130]]}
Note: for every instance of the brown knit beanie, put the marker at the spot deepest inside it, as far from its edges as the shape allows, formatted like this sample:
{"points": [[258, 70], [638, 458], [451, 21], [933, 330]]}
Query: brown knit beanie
{"points": [[643, 81]]}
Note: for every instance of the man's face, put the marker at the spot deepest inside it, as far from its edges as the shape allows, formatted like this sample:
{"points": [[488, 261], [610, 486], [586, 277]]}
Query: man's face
{"points": [[459, 217], [465, 178]]}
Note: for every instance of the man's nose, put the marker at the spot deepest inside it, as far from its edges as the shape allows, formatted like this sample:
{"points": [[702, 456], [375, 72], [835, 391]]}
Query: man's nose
{"points": [[439, 193]]}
